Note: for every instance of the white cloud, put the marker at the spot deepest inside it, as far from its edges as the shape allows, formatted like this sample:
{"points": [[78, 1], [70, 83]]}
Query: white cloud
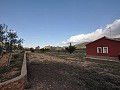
{"points": [[112, 30]]}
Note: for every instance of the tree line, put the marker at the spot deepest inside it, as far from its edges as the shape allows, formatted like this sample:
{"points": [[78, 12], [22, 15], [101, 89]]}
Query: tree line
{"points": [[70, 49], [9, 39]]}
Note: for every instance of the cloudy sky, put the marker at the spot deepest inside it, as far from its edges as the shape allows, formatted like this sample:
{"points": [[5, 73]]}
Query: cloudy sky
{"points": [[110, 30], [58, 22]]}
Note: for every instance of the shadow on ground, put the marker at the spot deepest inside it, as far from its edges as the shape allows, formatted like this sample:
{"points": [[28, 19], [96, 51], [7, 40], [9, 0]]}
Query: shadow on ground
{"points": [[52, 76], [61, 76]]}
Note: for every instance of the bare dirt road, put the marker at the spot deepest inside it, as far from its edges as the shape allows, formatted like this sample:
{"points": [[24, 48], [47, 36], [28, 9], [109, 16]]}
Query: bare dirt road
{"points": [[51, 73]]}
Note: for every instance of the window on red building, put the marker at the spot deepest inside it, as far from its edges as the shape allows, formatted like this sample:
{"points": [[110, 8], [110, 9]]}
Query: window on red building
{"points": [[105, 49], [99, 49]]}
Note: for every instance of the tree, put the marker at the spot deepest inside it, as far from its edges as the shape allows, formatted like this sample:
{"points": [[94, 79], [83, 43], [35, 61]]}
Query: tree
{"points": [[37, 48], [44, 50], [7, 46], [3, 28], [8, 40], [19, 43], [71, 48], [32, 49], [12, 38]]}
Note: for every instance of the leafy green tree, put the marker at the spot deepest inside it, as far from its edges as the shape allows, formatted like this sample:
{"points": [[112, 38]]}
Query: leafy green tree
{"points": [[7, 46], [71, 48], [12, 38], [8, 38], [3, 28], [19, 42]]}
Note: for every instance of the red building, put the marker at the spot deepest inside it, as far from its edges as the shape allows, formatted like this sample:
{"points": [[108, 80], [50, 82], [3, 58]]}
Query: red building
{"points": [[103, 47]]}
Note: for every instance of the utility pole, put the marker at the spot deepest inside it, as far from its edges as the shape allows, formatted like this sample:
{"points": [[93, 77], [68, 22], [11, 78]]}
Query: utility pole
{"points": [[110, 31]]}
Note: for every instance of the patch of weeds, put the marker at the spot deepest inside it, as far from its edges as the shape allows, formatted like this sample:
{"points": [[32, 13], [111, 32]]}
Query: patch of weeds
{"points": [[12, 61], [16, 56], [4, 69]]}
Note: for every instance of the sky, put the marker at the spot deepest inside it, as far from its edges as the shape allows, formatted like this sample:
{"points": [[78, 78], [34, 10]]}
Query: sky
{"points": [[59, 22]]}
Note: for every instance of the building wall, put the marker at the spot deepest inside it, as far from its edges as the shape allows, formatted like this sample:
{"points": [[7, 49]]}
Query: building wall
{"points": [[113, 47]]}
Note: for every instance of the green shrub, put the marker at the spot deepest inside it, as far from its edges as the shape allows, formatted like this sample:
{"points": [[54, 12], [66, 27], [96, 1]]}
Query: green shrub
{"points": [[70, 49], [32, 49]]}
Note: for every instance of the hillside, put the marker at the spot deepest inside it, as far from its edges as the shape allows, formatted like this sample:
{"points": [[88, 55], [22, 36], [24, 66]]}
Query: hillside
{"points": [[117, 39], [81, 45]]}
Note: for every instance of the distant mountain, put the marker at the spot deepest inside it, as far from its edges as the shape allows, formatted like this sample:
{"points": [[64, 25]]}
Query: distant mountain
{"points": [[117, 39], [81, 45]]}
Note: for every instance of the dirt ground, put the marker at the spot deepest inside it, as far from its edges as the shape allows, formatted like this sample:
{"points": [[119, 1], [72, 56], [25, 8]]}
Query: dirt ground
{"points": [[51, 73], [4, 59], [41, 57]]}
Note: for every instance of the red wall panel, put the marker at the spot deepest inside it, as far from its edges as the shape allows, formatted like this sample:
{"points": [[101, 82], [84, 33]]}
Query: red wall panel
{"points": [[113, 47]]}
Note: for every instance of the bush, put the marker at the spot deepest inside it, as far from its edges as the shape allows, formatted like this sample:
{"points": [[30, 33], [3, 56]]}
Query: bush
{"points": [[70, 49], [15, 56], [32, 49], [44, 50]]}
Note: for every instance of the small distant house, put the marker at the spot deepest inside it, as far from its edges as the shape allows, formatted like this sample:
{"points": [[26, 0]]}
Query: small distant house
{"points": [[103, 48]]}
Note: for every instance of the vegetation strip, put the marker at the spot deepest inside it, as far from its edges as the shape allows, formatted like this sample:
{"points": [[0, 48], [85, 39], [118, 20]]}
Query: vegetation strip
{"points": [[22, 75]]}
